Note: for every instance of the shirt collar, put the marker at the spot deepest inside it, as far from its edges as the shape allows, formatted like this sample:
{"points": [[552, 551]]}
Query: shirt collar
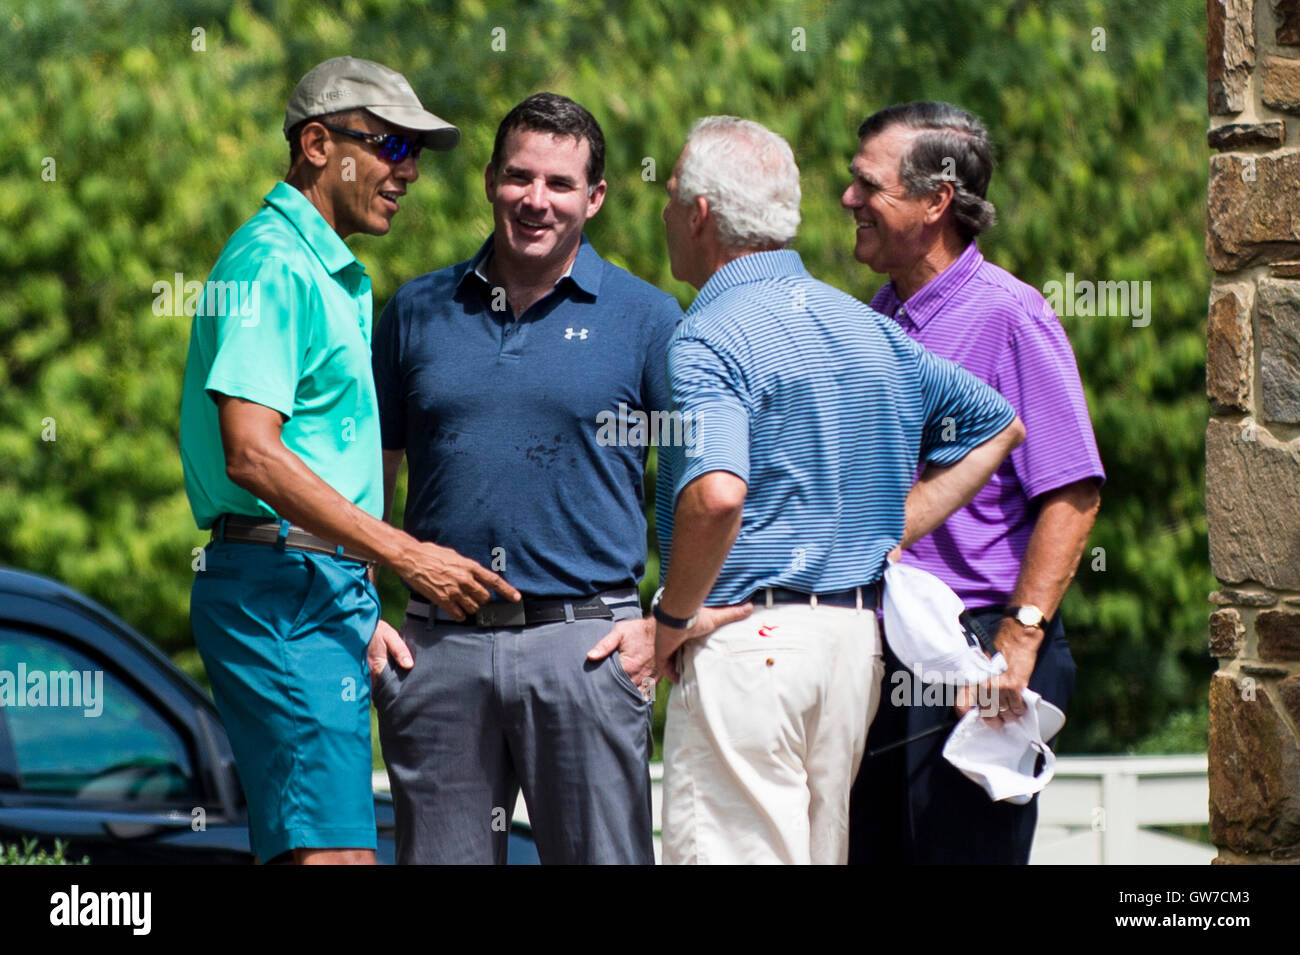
{"points": [[929, 300], [750, 267], [584, 270], [311, 225]]}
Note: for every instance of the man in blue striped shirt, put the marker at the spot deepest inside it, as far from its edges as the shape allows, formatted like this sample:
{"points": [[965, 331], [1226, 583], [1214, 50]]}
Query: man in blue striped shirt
{"points": [[809, 414]]}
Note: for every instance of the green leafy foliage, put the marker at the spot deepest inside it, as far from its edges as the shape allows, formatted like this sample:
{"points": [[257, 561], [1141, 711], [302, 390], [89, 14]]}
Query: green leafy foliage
{"points": [[31, 853], [162, 149]]}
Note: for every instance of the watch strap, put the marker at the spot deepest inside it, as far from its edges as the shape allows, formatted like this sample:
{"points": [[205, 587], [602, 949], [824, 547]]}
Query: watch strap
{"points": [[668, 620]]}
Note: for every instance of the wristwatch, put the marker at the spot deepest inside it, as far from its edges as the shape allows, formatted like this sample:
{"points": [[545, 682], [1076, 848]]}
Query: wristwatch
{"points": [[1027, 615], [668, 620]]}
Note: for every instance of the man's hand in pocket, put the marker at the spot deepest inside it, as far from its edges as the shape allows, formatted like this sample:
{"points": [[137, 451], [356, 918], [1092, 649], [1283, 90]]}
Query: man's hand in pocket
{"points": [[386, 643]]}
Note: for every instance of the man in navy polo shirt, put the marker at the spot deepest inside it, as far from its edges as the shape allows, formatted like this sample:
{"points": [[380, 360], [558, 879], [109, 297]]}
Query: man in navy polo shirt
{"points": [[497, 379]]}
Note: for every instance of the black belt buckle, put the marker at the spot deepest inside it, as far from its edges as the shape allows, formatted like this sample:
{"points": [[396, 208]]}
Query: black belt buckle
{"points": [[501, 614], [593, 608]]}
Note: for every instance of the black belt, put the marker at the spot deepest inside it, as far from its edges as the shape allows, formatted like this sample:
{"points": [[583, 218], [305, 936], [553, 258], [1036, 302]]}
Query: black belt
{"points": [[864, 597], [257, 530], [529, 611]]}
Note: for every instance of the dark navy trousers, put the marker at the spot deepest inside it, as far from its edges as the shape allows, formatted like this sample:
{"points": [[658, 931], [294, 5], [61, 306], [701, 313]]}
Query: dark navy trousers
{"points": [[911, 806]]}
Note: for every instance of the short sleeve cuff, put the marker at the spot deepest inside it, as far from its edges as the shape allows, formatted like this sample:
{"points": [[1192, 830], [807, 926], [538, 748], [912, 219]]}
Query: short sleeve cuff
{"points": [[950, 452], [720, 433], [1059, 479], [258, 394]]}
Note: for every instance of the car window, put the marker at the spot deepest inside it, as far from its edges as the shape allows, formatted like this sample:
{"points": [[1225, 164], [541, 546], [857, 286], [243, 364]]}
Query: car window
{"points": [[79, 730]]}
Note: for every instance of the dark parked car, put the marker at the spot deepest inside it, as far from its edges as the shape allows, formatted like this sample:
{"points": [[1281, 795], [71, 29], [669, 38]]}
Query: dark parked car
{"points": [[106, 745]]}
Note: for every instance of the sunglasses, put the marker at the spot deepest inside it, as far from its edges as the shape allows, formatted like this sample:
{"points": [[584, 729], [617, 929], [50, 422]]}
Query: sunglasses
{"points": [[392, 147]]}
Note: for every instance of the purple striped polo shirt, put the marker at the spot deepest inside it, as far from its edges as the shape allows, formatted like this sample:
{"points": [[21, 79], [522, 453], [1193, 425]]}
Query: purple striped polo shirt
{"points": [[1003, 332]]}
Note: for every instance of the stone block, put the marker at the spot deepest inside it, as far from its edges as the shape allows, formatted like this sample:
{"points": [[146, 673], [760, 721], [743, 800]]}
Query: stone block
{"points": [[1226, 633], [1288, 692], [1230, 47], [1271, 133], [1281, 83], [1278, 633], [1228, 346], [1252, 197], [1254, 769], [1279, 350], [1252, 496], [1287, 14], [1225, 596]]}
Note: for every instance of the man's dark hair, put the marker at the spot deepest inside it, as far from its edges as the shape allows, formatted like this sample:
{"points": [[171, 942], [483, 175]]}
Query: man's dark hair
{"points": [[342, 118], [953, 146], [552, 113]]}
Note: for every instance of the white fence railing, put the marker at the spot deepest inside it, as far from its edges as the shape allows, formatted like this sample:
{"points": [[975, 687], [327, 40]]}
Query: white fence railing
{"points": [[1094, 812], [1097, 809]]}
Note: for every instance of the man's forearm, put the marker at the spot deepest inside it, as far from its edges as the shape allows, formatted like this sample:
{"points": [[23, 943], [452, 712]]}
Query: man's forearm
{"points": [[1065, 519], [295, 492], [706, 521], [941, 491], [258, 461]]}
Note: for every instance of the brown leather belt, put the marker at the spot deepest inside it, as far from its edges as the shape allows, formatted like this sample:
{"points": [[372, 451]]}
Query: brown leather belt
{"points": [[257, 530]]}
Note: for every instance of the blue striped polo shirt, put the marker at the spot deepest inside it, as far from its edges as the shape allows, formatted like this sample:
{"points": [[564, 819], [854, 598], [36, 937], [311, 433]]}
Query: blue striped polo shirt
{"points": [[824, 408]]}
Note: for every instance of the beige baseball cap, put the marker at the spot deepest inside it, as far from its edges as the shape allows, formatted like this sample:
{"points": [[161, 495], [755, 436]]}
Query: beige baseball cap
{"points": [[347, 82]]}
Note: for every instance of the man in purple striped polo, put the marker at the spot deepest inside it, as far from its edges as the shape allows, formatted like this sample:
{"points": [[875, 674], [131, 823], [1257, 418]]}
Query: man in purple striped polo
{"points": [[920, 177]]}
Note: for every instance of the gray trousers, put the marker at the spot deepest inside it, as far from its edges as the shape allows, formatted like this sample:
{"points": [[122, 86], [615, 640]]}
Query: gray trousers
{"points": [[483, 713]]}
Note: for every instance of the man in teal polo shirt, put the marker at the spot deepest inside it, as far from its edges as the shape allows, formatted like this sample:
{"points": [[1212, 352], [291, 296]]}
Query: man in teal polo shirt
{"points": [[281, 452]]}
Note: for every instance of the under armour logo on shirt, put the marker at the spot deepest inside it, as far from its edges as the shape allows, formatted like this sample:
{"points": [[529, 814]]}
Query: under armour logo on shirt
{"points": [[580, 335]]}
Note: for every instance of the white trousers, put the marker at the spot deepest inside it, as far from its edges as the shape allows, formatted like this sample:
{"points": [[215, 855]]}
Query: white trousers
{"points": [[765, 734]]}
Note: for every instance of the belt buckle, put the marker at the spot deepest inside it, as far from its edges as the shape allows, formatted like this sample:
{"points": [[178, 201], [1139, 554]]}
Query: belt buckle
{"points": [[501, 614], [594, 603]]}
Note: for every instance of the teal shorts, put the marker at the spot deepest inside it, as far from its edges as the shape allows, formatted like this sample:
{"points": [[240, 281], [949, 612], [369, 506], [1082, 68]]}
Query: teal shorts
{"points": [[283, 635]]}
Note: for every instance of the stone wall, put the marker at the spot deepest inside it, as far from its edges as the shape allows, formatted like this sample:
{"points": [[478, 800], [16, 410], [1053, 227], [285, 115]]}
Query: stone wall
{"points": [[1252, 443]]}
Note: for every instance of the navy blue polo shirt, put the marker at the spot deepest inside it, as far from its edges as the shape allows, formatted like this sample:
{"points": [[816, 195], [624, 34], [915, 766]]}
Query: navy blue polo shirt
{"points": [[511, 427]]}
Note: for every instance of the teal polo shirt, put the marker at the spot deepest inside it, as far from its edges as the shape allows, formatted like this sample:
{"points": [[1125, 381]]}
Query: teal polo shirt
{"points": [[284, 321]]}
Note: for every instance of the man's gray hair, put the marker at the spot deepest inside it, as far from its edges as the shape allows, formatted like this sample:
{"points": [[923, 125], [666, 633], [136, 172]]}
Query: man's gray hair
{"points": [[748, 175], [952, 146]]}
